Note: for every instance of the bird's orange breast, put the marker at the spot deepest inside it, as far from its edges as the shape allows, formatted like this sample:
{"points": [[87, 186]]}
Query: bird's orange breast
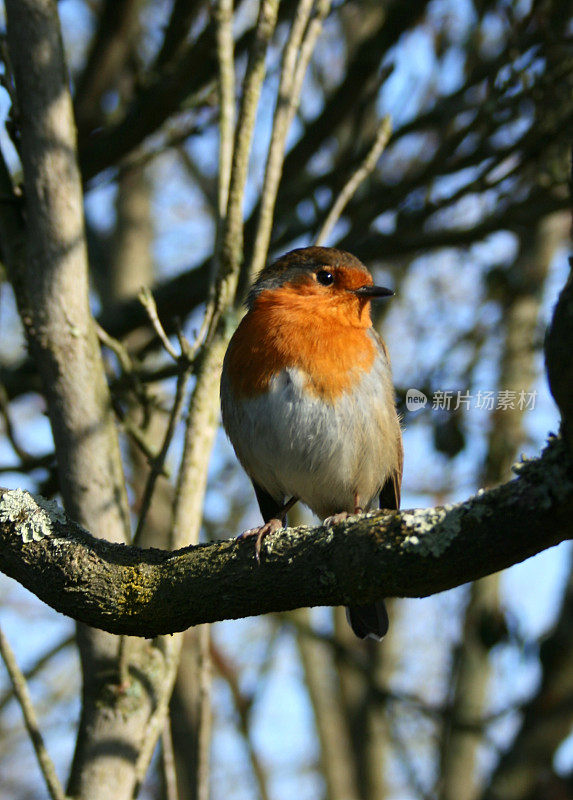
{"points": [[329, 343]]}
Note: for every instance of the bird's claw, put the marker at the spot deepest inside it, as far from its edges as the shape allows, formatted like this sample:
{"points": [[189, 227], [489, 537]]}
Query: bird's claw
{"points": [[269, 527], [340, 517]]}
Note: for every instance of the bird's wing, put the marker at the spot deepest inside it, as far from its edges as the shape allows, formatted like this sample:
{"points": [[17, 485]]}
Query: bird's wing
{"points": [[371, 621], [390, 493]]}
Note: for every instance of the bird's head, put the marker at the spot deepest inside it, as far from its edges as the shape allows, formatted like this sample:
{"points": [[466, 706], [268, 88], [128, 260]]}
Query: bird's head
{"points": [[318, 278]]}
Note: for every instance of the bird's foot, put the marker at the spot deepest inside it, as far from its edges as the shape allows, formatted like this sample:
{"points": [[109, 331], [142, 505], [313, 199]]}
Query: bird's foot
{"points": [[263, 530], [340, 517], [334, 519]]}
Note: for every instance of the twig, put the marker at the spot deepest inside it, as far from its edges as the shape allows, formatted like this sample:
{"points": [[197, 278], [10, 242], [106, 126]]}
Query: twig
{"points": [[23, 696], [355, 180], [138, 436], [172, 138], [30, 465], [39, 665], [287, 102], [304, 55], [231, 251], [148, 302], [158, 462], [22, 454], [184, 359], [405, 758], [226, 86], [151, 374], [187, 352], [307, 48], [123, 664], [225, 55], [130, 371], [202, 420], [243, 704], [205, 184], [201, 334], [28, 462], [155, 725], [124, 358]]}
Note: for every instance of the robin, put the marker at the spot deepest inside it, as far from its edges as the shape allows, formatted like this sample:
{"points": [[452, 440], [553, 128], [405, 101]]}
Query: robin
{"points": [[307, 398]]}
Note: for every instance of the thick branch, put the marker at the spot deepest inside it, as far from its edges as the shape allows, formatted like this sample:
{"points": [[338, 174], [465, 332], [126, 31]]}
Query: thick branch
{"points": [[53, 301], [413, 554]]}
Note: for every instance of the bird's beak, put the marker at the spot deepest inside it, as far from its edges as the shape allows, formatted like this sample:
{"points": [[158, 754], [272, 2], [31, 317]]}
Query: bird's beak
{"points": [[370, 292]]}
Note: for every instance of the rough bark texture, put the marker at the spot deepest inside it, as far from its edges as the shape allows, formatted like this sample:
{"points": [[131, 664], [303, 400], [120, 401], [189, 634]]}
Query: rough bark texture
{"points": [[54, 302], [412, 553]]}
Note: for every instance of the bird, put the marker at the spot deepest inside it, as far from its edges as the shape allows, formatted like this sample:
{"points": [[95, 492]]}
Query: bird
{"points": [[307, 398]]}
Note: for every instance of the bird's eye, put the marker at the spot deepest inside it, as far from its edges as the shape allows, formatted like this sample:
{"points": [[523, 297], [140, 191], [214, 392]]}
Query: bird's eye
{"points": [[325, 277]]}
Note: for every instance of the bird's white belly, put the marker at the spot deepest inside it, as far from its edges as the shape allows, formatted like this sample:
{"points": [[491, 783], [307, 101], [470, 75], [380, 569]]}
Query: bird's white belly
{"points": [[324, 453]]}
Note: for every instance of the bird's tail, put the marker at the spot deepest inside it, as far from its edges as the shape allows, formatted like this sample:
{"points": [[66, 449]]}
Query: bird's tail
{"points": [[368, 622]]}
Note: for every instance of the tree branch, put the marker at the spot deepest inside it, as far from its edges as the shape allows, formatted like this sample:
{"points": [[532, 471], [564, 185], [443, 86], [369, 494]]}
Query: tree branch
{"points": [[20, 687], [360, 175], [410, 554]]}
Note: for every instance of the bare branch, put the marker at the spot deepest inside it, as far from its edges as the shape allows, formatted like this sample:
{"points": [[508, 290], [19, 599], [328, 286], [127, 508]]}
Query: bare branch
{"points": [[158, 463], [183, 14], [117, 29], [359, 73], [243, 705], [156, 721], [287, 102], [355, 180], [224, 16], [23, 696], [148, 302], [232, 236], [336, 754], [39, 665], [25, 457], [157, 100], [174, 298]]}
